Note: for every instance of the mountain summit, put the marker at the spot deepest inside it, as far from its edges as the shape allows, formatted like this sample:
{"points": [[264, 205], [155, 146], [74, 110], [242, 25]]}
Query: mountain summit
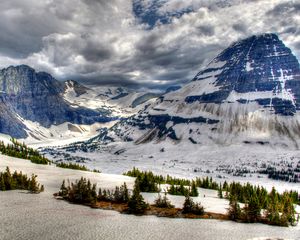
{"points": [[248, 94], [260, 65], [27, 95]]}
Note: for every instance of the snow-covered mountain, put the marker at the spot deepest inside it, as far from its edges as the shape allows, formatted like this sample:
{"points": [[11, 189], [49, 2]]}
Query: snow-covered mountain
{"points": [[118, 101], [249, 94], [36, 106]]}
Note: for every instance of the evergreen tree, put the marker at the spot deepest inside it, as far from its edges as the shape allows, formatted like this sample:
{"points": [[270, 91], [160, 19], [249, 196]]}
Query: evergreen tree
{"points": [[194, 190], [163, 202], [33, 185], [252, 209], [63, 190], [136, 203], [234, 210], [220, 192], [2, 184], [190, 207]]}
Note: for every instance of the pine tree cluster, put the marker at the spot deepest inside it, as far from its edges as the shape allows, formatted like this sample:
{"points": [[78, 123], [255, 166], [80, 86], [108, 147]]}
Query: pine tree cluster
{"points": [[119, 195], [83, 192], [14, 181], [163, 202], [190, 206], [74, 166], [150, 182], [184, 191], [20, 150], [261, 206]]}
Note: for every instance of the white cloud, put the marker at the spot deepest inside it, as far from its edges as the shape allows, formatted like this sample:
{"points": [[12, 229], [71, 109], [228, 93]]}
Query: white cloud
{"points": [[99, 41]]}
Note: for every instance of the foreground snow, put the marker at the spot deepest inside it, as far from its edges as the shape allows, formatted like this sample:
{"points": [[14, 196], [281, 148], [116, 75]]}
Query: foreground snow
{"points": [[21, 214]]}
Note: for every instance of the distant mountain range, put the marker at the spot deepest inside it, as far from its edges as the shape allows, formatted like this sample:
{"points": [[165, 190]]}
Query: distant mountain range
{"points": [[249, 94], [32, 102]]}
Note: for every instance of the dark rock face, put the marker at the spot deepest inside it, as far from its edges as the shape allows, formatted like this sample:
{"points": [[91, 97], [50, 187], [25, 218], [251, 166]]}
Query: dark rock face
{"points": [[37, 96], [78, 88], [250, 90], [144, 98], [256, 64], [9, 124]]}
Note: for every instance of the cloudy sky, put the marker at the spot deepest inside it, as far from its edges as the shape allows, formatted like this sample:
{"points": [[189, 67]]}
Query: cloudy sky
{"points": [[138, 43]]}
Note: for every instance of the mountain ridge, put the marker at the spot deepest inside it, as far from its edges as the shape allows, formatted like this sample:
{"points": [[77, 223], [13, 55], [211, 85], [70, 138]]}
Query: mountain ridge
{"points": [[37, 97], [249, 93]]}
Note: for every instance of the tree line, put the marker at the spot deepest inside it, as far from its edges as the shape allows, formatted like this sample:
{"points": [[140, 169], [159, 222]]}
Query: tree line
{"points": [[20, 150], [75, 166], [84, 192], [150, 182], [259, 204], [17, 180]]}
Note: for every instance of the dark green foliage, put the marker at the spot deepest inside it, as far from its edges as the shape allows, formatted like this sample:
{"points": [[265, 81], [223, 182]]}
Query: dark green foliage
{"points": [[220, 191], [183, 191], [194, 190], [159, 179], [207, 183], [279, 208], [252, 209], [163, 202], [136, 203], [82, 191], [234, 210], [63, 190], [149, 182], [287, 174], [20, 181], [72, 166], [190, 207], [19, 150], [120, 195]]}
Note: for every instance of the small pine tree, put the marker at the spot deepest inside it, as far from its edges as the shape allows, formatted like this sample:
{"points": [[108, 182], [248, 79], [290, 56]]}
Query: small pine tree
{"points": [[234, 210], [194, 190], [136, 203], [163, 202], [2, 184], [190, 207], [125, 193], [188, 204], [220, 191], [33, 185], [63, 190]]}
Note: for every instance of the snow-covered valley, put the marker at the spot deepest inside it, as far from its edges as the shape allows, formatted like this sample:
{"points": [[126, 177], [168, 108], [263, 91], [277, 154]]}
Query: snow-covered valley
{"points": [[223, 163], [31, 216]]}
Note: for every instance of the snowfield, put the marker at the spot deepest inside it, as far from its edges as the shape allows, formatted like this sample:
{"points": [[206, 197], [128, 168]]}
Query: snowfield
{"points": [[186, 160], [40, 216]]}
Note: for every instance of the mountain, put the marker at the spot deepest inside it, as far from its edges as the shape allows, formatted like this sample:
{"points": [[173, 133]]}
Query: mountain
{"points": [[117, 101], [248, 94], [36, 97], [36, 105]]}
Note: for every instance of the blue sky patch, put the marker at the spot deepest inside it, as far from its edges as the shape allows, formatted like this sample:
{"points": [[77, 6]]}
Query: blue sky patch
{"points": [[149, 13]]}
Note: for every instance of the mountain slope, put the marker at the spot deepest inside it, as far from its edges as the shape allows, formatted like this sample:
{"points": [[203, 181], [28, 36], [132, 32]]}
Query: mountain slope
{"points": [[37, 97], [248, 94], [37, 107]]}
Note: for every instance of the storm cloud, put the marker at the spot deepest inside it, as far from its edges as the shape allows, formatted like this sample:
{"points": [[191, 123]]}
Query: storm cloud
{"points": [[135, 43]]}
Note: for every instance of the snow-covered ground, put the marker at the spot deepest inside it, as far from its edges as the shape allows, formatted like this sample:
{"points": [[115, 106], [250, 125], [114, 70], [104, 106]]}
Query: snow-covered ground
{"points": [[62, 134], [40, 216], [190, 161]]}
